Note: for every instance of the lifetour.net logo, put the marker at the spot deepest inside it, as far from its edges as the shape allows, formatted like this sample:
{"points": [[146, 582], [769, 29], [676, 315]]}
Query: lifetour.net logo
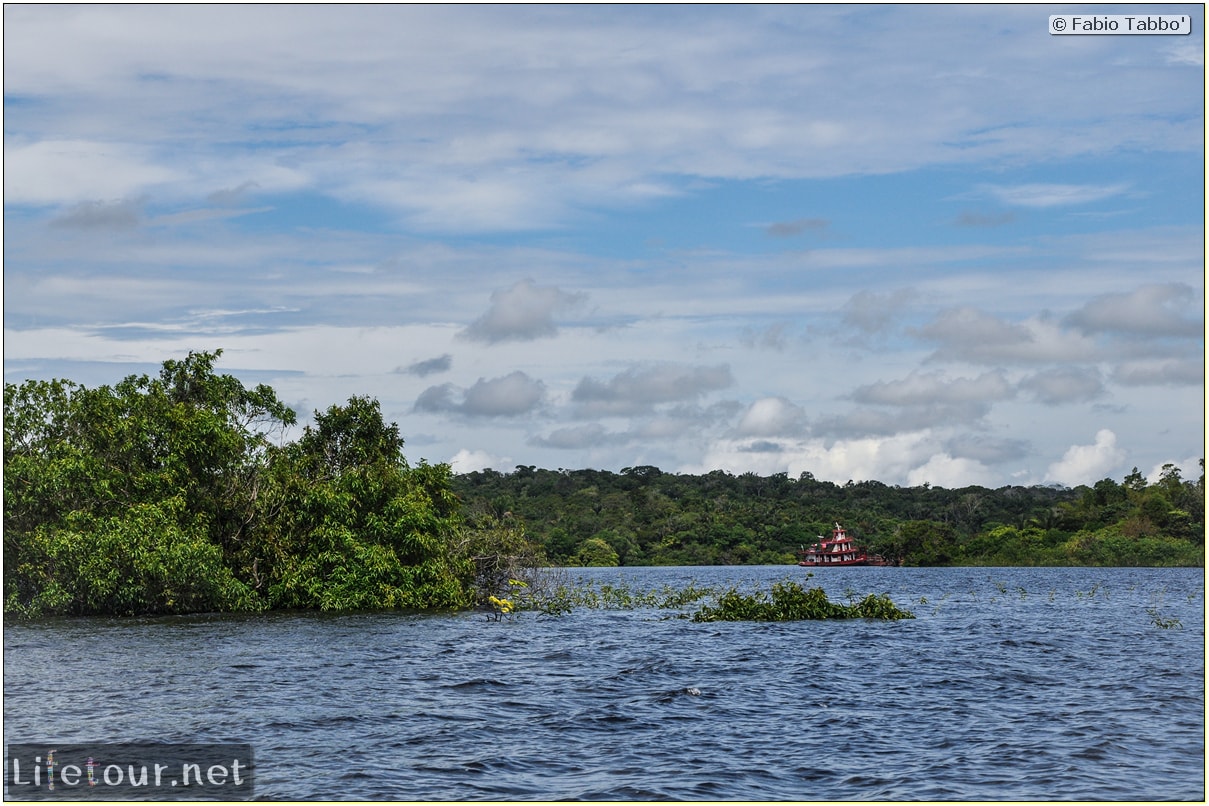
{"points": [[130, 771]]}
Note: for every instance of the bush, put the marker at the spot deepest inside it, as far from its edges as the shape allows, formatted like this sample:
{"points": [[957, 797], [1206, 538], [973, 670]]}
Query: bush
{"points": [[144, 563], [791, 602]]}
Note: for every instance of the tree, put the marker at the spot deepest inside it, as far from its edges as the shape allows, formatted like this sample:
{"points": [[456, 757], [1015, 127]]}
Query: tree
{"points": [[184, 451], [168, 494], [596, 553], [347, 524]]}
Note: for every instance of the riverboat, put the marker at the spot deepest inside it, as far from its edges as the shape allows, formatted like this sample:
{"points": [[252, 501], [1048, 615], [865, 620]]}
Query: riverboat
{"points": [[839, 549]]}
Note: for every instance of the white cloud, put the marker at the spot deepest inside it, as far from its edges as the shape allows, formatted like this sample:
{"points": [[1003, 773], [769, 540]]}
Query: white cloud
{"points": [[1060, 385], [576, 437], [1161, 372], [872, 312], [1087, 464], [623, 159], [640, 389], [942, 470], [79, 171], [771, 417], [1190, 469], [932, 388], [521, 313], [885, 459], [1149, 311], [469, 461], [967, 334], [474, 130], [1052, 195], [507, 396]]}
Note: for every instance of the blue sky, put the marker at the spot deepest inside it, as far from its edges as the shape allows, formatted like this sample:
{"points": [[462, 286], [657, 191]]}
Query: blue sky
{"points": [[904, 243]]}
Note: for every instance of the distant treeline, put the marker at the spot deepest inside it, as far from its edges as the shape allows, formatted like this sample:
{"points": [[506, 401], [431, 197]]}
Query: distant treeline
{"points": [[644, 516]]}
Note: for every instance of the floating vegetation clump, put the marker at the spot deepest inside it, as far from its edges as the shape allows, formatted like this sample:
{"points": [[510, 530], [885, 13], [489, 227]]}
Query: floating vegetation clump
{"points": [[791, 602], [1157, 618], [788, 602]]}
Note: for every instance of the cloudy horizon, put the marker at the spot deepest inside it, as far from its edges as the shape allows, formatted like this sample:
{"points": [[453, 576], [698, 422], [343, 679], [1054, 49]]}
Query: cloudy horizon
{"points": [[911, 244]]}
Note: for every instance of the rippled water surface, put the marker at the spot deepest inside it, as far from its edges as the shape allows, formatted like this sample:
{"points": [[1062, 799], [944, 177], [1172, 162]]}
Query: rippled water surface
{"points": [[1011, 684]]}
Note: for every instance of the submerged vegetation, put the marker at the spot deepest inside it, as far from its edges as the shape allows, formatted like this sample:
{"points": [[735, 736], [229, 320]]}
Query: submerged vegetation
{"points": [[790, 602], [180, 493]]}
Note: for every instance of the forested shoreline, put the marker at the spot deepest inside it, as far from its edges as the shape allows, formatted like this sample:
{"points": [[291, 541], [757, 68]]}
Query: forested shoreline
{"points": [[179, 493], [644, 516]]}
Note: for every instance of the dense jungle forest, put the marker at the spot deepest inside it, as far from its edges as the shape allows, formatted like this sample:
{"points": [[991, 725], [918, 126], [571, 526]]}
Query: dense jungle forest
{"points": [[179, 493], [643, 516]]}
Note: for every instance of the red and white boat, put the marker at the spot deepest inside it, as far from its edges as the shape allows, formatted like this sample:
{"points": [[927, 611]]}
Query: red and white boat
{"points": [[838, 550]]}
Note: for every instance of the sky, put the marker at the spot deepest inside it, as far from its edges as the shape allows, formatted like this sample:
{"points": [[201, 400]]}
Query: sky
{"points": [[911, 244]]}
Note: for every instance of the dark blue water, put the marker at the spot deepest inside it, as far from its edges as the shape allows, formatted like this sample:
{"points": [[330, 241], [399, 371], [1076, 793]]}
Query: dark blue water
{"points": [[1011, 684]]}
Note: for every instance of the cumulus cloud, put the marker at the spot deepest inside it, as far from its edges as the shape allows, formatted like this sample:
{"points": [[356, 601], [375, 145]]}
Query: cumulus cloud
{"points": [[515, 393], [1150, 311], [507, 396], [1053, 387], [920, 401], [863, 422], [972, 326], [943, 470], [667, 424], [886, 459], [932, 388], [1052, 195], [967, 334], [640, 389], [771, 337], [431, 366], [576, 437], [1190, 469], [771, 417], [521, 313], [468, 461], [872, 312], [1160, 372], [1087, 464], [985, 450], [788, 229]]}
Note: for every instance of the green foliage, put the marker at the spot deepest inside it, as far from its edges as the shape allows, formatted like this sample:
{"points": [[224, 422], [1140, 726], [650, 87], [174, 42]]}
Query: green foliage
{"points": [[596, 553], [649, 517], [144, 562], [791, 602], [169, 495], [348, 525], [178, 493]]}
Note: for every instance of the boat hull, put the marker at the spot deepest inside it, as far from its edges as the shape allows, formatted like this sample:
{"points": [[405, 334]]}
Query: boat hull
{"points": [[839, 550], [859, 561]]}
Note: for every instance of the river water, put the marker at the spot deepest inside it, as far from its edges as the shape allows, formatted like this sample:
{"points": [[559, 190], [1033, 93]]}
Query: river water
{"points": [[1010, 684]]}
